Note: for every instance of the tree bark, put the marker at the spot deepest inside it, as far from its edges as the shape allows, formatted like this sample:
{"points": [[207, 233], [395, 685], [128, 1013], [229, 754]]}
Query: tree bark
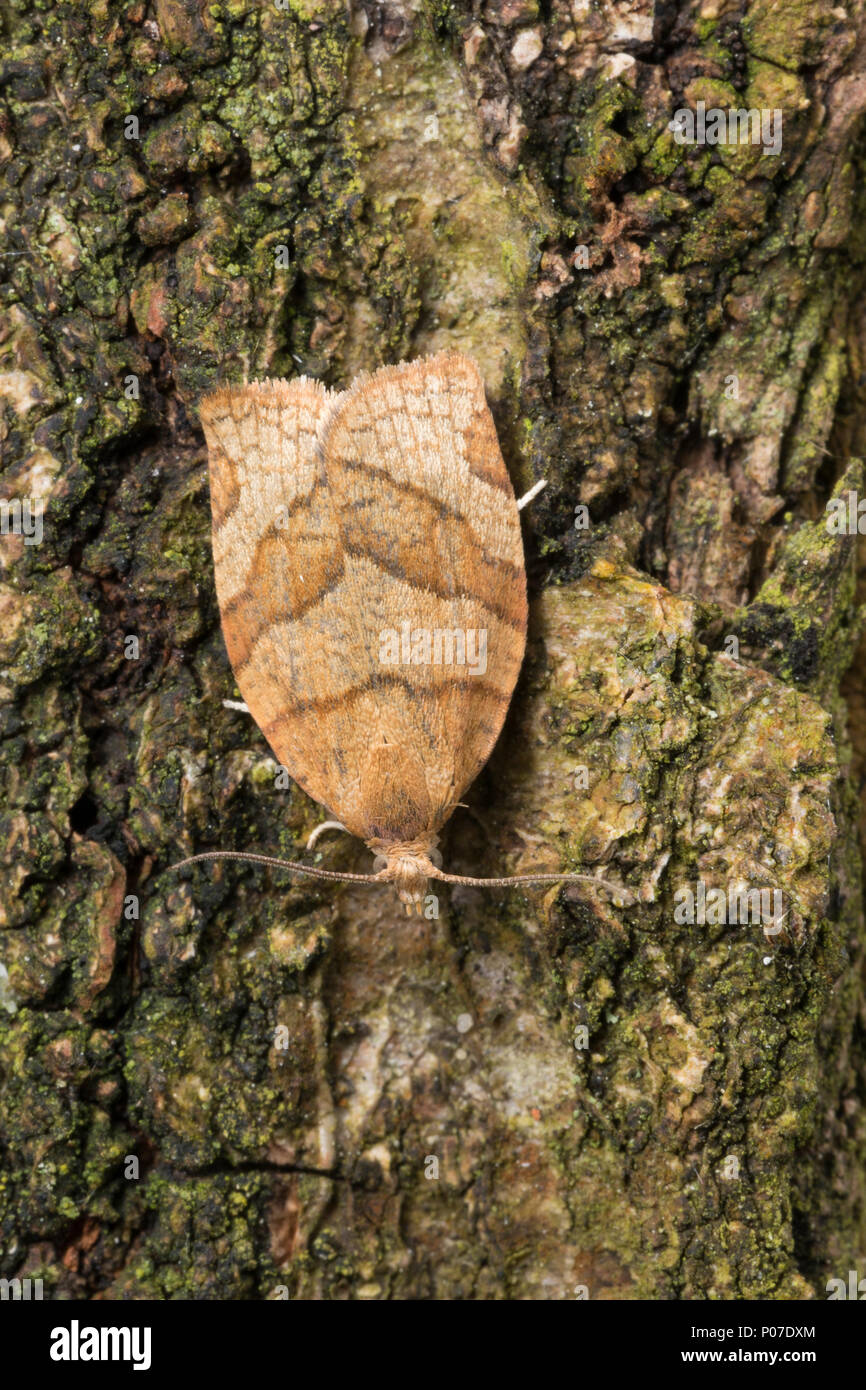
{"points": [[228, 1084]]}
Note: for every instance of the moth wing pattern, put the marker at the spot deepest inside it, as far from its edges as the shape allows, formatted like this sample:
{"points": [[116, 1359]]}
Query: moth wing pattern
{"points": [[431, 541], [273, 547], [338, 518]]}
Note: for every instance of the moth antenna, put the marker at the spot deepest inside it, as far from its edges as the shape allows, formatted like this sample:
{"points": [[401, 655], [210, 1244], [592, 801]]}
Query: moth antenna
{"points": [[613, 888], [288, 864]]}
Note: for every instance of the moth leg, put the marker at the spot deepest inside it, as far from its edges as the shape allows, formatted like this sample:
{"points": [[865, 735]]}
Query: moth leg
{"points": [[236, 704], [324, 825], [533, 492]]}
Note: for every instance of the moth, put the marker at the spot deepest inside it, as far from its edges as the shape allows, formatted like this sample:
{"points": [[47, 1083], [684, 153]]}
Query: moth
{"points": [[372, 591]]}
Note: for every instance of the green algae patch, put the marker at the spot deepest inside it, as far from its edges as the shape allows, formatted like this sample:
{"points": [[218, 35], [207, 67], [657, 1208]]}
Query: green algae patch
{"points": [[803, 619]]}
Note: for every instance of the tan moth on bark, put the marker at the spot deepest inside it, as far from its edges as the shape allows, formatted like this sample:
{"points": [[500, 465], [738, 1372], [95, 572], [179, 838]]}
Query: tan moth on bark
{"points": [[358, 536]]}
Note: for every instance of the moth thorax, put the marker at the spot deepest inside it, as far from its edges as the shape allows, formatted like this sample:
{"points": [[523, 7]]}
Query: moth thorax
{"points": [[408, 864]]}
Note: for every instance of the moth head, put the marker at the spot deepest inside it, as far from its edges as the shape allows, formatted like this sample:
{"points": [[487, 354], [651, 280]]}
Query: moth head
{"points": [[409, 865]]}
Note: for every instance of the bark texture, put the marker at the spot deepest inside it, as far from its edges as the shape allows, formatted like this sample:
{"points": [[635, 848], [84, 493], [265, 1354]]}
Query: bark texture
{"points": [[534, 1095]]}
